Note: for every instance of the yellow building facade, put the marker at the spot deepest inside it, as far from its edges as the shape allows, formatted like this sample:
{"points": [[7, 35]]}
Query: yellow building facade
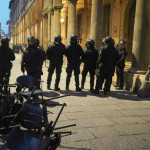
{"points": [[128, 20]]}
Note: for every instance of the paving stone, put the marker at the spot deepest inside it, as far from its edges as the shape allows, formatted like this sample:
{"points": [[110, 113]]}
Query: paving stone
{"points": [[117, 143], [146, 118], [78, 135], [132, 129], [136, 112], [80, 145], [105, 131], [133, 106], [95, 122], [127, 120], [145, 138]]}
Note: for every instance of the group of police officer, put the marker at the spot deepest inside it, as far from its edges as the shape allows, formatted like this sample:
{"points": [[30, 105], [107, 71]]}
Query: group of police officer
{"points": [[110, 56]]}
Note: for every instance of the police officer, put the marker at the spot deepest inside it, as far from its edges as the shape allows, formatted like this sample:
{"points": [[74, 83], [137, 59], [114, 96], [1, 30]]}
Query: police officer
{"points": [[6, 56], [37, 43], [32, 61], [107, 60], [55, 54], [74, 52], [121, 64], [89, 58]]}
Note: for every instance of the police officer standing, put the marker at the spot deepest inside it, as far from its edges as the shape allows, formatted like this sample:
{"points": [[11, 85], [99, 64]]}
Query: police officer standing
{"points": [[89, 58], [121, 64], [32, 61], [74, 52], [37, 43], [55, 54], [6, 56], [107, 60]]}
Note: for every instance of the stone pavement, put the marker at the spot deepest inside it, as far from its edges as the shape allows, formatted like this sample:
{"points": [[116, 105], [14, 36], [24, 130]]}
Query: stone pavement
{"points": [[118, 121]]}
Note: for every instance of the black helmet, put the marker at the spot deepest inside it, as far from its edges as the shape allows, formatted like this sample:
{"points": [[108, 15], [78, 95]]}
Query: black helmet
{"points": [[73, 39], [57, 39], [5, 42], [122, 42], [109, 40], [31, 39], [37, 42], [90, 44]]}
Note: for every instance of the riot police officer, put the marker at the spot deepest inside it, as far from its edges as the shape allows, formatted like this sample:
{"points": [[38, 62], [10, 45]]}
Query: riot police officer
{"points": [[74, 52], [55, 54], [6, 56], [121, 64], [32, 61], [107, 60], [89, 58], [37, 43]]}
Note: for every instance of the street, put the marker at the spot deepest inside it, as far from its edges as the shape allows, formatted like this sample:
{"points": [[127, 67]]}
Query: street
{"points": [[118, 121]]}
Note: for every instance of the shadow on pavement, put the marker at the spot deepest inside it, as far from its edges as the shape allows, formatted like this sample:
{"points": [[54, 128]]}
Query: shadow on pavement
{"points": [[50, 94], [126, 95], [72, 148]]}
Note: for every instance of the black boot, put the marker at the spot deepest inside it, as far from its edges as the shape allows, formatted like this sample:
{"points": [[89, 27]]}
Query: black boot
{"points": [[82, 82], [57, 82], [67, 82], [78, 89], [57, 89], [48, 87]]}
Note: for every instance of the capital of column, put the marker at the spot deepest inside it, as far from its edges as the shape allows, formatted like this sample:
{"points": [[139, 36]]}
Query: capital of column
{"points": [[73, 1], [58, 8]]}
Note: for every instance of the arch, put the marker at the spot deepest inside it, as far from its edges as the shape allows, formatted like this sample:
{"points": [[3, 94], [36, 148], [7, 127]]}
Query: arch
{"points": [[126, 6]]}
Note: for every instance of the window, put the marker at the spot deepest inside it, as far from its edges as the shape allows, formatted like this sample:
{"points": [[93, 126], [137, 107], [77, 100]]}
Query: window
{"points": [[106, 20]]}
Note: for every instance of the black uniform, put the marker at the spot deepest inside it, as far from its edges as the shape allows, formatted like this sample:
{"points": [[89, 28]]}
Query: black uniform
{"points": [[73, 54], [6, 56], [32, 62], [120, 67], [55, 54], [89, 58], [107, 60]]}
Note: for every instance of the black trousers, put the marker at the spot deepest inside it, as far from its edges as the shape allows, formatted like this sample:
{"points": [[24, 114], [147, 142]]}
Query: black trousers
{"points": [[100, 80], [69, 70], [4, 78], [91, 70], [120, 76], [36, 79], [51, 70]]}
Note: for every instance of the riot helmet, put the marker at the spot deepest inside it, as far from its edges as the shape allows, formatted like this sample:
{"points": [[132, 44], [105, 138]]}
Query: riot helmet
{"points": [[121, 44], [90, 44], [57, 39], [73, 39], [37, 42], [31, 40], [108, 40], [5, 42]]}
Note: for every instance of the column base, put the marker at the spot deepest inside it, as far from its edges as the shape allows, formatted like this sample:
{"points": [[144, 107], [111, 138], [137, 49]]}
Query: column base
{"points": [[134, 79]]}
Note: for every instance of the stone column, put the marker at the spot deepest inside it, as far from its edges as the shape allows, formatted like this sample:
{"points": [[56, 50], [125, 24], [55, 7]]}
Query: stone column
{"points": [[50, 21], [96, 22], [57, 28], [45, 32], [72, 18], [37, 29], [141, 37], [57, 5]]}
